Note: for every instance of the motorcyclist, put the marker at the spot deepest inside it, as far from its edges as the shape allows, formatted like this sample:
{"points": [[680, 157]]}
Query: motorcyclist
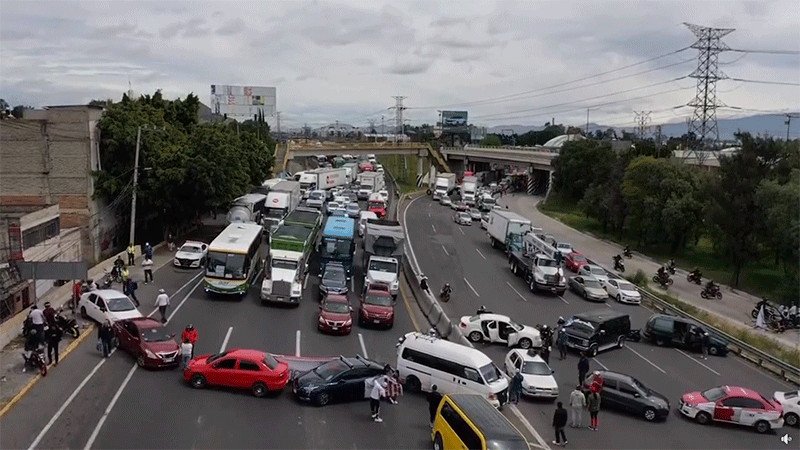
{"points": [[711, 287], [671, 265], [662, 273], [119, 264], [626, 251], [483, 310], [445, 292], [696, 273], [423, 282], [617, 260]]}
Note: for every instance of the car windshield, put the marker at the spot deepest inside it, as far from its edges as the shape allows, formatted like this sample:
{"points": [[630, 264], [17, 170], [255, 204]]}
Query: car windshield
{"points": [[544, 262], [270, 361], [578, 258], [597, 271], [155, 334], [560, 245], [330, 369], [120, 304], [379, 300], [623, 286], [336, 248], [378, 204], [275, 213], [353, 207], [336, 307], [333, 205], [791, 394], [592, 284], [714, 394], [284, 264], [226, 265], [535, 368], [316, 196], [582, 327], [333, 274], [383, 266], [490, 373], [213, 358], [637, 384], [474, 211], [463, 215], [191, 249]]}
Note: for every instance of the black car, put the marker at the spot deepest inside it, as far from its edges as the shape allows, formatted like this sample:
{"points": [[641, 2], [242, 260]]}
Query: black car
{"points": [[684, 333], [338, 380], [598, 330], [333, 280], [626, 393]]}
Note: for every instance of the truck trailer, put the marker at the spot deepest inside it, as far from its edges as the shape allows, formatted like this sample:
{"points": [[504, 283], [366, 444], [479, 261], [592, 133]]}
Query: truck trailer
{"points": [[383, 252], [506, 228], [282, 199]]}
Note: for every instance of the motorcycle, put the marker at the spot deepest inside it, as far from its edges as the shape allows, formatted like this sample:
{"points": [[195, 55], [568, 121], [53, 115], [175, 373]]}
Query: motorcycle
{"points": [[711, 293], [68, 326], [671, 269], [627, 253], [109, 278], [693, 278], [664, 282], [444, 296], [619, 265], [34, 359]]}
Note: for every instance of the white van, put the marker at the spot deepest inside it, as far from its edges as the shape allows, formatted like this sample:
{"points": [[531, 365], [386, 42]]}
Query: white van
{"points": [[363, 216], [424, 361]]}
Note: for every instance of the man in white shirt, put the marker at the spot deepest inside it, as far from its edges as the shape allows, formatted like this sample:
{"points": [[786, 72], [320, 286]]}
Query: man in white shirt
{"points": [[162, 301], [378, 391], [37, 320]]}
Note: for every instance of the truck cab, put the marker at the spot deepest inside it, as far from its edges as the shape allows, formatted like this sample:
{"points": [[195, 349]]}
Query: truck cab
{"points": [[282, 277], [547, 274], [382, 269], [377, 205]]}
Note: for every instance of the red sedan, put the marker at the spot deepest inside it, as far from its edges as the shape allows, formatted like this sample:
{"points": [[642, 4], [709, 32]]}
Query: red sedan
{"points": [[148, 341], [334, 315], [574, 261], [239, 368], [377, 306]]}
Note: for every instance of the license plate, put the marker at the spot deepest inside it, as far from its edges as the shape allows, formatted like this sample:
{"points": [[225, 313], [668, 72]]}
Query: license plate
{"points": [[169, 360], [335, 328], [376, 321], [281, 299]]}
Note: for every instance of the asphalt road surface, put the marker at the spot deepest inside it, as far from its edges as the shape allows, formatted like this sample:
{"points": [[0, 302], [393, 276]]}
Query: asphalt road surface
{"points": [[479, 275]]}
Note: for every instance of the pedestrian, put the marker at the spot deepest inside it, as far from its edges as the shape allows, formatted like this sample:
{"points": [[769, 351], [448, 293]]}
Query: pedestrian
{"points": [[171, 241], [131, 253], [597, 382], [148, 250], [190, 333], [147, 265], [38, 321], [583, 368], [559, 422], [378, 391], [705, 342], [561, 341], [105, 334], [162, 301], [546, 353], [187, 350], [577, 402], [515, 389], [593, 405], [77, 291], [53, 336], [132, 287], [434, 398], [125, 274], [49, 315], [393, 387]]}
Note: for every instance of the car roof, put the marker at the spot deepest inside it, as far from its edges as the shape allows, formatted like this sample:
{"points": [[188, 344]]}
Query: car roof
{"points": [[107, 293], [378, 287], [194, 243], [737, 391], [245, 353], [497, 430], [337, 298], [494, 317]]}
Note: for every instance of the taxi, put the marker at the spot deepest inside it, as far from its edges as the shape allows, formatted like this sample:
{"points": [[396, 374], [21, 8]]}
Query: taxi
{"points": [[732, 404]]}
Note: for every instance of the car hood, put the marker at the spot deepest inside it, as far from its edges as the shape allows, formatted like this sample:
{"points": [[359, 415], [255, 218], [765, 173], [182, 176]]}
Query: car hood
{"points": [[579, 331], [657, 399], [162, 346], [541, 381], [779, 396], [309, 378], [335, 284], [596, 291], [385, 277], [377, 308], [187, 255], [283, 275], [122, 315], [328, 315], [694, 398], [630, 293]]}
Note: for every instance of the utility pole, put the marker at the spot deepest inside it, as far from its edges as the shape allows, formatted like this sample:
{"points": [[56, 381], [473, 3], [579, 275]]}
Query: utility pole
{"points": [[382, 132], [587, 122], [278, 115], [789, 117], [135, 183]]}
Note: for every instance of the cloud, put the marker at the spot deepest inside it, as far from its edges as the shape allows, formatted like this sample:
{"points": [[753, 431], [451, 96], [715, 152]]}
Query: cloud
{"points": [[408, 67], [233, 26]]}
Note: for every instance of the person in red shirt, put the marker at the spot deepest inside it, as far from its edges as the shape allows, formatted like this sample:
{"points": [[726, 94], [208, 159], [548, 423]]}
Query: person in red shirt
{"points": [[189, 334]]}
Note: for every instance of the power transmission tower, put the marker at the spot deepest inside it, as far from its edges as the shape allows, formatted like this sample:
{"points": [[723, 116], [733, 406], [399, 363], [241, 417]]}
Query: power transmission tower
{"points": [[372, 129], [704, 118], [642, 123], [398, 114]]}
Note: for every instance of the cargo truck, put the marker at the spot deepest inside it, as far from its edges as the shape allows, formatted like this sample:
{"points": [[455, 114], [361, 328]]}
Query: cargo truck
{"points": [[468, 188], [287, 266], [539, 270], [248, 208], [282, 199], [369, 182], [506, 228], [322, 179], [383, 253], [445, 182]]}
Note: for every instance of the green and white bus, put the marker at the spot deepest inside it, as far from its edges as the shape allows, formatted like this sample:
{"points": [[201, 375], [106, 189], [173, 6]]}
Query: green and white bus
{"points": [[234, 259]]}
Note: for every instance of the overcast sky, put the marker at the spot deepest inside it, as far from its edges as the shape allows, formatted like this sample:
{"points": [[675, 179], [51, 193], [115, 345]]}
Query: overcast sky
{"points": [[345, 60]]}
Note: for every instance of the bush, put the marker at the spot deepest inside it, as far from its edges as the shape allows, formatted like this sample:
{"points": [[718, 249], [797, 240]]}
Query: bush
{"points": [[639, 278]]}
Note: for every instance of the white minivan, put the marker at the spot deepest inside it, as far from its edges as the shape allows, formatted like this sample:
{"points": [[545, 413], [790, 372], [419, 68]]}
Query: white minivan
{"points": [[424, 361], [363, 216]]}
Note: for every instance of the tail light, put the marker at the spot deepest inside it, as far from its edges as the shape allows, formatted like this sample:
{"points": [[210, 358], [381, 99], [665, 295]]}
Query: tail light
{"points": [[492, 397], [463, 325]]}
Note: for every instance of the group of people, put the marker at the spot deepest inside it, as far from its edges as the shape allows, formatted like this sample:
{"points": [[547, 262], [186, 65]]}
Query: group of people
{"points": [[578, 401], [386, 386], [42, 329]]}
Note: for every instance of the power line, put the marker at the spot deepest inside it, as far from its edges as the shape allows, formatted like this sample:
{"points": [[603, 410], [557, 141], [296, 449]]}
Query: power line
{"points": [[780, 83], [769, 52]]}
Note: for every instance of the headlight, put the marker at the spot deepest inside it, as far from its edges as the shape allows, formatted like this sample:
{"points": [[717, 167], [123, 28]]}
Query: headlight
{"points": [[150, 354], [321, 320], [266, 287], [348, 322]]}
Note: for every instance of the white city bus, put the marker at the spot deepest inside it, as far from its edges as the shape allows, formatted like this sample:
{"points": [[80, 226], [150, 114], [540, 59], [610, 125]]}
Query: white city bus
{"points": [[234, 259]]}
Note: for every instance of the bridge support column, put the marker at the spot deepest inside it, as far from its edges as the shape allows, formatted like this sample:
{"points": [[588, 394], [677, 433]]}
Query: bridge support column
{"points": [[531, 185]]}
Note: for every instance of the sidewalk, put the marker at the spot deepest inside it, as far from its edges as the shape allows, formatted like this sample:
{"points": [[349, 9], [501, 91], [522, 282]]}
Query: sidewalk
{"points": [[13, 380], [735, 307]]}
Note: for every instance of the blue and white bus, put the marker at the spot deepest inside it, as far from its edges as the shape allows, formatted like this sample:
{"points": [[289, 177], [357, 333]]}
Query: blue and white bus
{"points": [[338, 242], [234, 259]]}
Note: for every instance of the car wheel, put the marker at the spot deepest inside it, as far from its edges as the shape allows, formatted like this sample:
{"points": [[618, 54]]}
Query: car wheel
{"points": [[437, 442], [140, 361], [703, 418], [593, 350], [649, 414], [198, 381], [83, 312], [525, 343], [621, 341], [791, 419], [259, 390], [619, 298], [413, 384], [585, 296], [475, 336], [762, 426], [660, 342], [713, 351], [533, 285], [323, 399]]}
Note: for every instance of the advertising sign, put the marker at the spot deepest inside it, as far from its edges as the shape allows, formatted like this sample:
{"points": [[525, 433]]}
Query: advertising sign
{"points": [[243, 102], [454, 121]]}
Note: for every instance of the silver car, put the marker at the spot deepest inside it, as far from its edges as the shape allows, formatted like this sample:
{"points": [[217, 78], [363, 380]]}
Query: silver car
{"points": [[588, 287], [475, 214], [353, 210]]}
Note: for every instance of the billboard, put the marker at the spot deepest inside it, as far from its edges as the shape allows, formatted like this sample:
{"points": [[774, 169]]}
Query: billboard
{"points": [[454, 121], [242, 101]]}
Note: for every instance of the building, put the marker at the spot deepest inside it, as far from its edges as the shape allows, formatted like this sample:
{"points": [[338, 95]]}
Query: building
{"points": [[48, 158]]}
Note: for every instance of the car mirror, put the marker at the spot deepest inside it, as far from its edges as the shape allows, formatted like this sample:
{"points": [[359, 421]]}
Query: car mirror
{"points": [[636, 394], [172, 336], [602, 331], [350, 308], [552, 371]]}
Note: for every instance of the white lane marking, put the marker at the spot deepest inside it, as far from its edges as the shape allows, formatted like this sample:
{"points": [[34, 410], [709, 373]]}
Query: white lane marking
{"points": [[462, 231], [542, 443], [225, 341], [479, 252], [445, 250], [434, 228], [178, 290], [650, 362], [563, 299], [96, 431], [363, 347], [66, 403], [695, 360], [601, 364], [183, 301], [512, 288], [297, 343], [429, 214], [473, 289], [352, 284], [606, 303]]}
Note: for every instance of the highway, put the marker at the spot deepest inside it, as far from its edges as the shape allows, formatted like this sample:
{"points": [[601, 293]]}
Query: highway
{"points": [[479, 275]]}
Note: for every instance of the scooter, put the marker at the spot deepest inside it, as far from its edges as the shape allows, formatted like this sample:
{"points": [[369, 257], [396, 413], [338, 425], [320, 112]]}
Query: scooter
{"points": [[692, 278], [69, 326], [667, 281], [712, 293], [35, 359], [619, 265]]}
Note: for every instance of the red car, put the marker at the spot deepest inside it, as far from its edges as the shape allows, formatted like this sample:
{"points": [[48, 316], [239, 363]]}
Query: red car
{"points": [[366, 167], [239, 368], [148, 341], [574, 261], [377, 306], [334, 315]]}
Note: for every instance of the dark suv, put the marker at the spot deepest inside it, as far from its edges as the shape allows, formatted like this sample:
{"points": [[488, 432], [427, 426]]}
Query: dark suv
{"points": [[333, 280], [684, 333], [626, 393], [598, 330]]}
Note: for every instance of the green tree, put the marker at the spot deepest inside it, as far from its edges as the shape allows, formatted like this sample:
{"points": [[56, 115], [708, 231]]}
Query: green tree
{"points": [[492, 140], [781, 231], [579, 164]]}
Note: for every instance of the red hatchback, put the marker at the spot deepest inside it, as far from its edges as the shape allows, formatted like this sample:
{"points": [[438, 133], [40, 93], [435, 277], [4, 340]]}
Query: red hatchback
{"points": [[574, 261], [148, 341], [334, 315], [377, 306], [239, 368]]}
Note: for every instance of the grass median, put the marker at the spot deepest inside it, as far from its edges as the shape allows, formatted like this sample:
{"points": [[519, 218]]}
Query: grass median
{"points": [[404, 170]]}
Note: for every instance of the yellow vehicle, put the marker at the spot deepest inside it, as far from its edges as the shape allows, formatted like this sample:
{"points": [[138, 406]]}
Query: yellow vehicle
{"points": [[468, 421]]}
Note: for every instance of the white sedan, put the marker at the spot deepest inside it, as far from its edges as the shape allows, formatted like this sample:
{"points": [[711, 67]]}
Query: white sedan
{"points": [[108, 304], [623, 292], [191, 254], [537, 376], [499, 328], [595, 271], [384, 194], [790, 402]]}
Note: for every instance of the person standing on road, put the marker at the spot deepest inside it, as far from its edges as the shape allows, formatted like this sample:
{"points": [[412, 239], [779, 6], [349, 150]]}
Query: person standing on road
{"points": [[148, 250], [170, 242], [593, 404], [515, 388], [583, 368], [147, 265], [705, 342], [187, 349], [37, 320], [130, 290], [546, 353], [49, 315], [190, 333], [561, 341], [577, 402], [434, 398], [162, 301], [131, 253], [393, 387], [53, 336], [378, 391], [559, 422], [105, 334]]}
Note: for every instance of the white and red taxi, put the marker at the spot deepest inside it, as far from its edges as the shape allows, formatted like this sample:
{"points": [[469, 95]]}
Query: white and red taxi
{"points": [[732, 404]]}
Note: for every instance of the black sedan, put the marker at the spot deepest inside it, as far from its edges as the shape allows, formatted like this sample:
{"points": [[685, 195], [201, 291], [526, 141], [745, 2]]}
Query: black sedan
{"points": [[333, 280], [626, 393], [338, 380]]}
